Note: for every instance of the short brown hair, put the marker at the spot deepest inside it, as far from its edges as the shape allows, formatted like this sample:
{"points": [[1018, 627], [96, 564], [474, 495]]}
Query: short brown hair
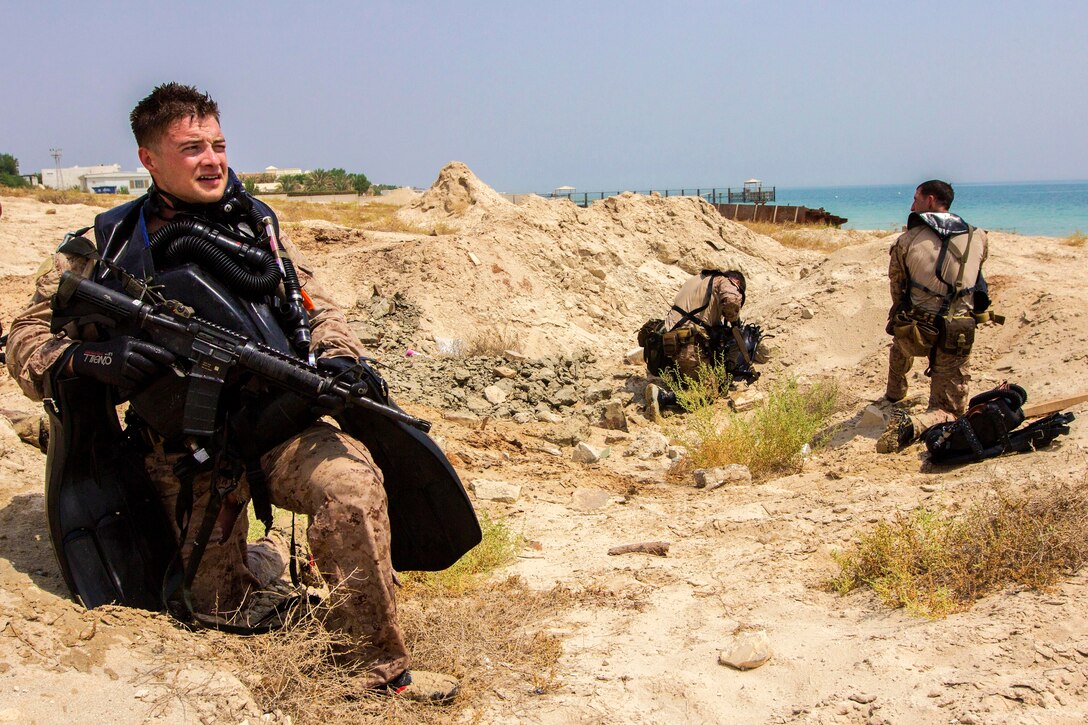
{"points": [[166, 104], [941, 190]]}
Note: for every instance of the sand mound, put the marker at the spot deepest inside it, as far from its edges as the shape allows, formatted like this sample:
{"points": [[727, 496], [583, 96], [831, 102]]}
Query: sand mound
{"points": [[399, 197], [454, 193], [559, 276]]}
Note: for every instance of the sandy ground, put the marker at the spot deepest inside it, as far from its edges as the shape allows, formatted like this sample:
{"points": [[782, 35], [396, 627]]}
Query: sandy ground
{"points": [[754, 556]]}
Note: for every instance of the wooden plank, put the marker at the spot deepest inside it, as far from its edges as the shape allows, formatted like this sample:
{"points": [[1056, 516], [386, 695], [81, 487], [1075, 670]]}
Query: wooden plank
{"points": [[1053, 406]]}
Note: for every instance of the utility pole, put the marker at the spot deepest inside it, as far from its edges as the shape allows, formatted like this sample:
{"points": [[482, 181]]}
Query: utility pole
{"points": [[55, 153]]}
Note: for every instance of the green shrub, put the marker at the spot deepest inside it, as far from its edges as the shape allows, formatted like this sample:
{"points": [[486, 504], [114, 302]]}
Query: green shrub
{"points": [[768, 440], [12, 180]]}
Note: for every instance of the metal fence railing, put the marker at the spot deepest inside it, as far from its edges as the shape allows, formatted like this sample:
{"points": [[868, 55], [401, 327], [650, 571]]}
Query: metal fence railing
{"points": [[713, 195]]}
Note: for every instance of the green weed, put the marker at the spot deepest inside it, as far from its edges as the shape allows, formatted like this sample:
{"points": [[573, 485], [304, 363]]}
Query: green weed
{"points": [[768, 440]]}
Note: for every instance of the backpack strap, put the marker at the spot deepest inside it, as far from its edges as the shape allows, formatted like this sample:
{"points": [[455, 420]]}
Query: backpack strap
{"points": [[1040, 433], [955, 289], [689, 315]]}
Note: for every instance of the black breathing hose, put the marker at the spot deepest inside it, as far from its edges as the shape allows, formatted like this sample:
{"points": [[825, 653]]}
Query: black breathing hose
{"points": [[244, 267]]}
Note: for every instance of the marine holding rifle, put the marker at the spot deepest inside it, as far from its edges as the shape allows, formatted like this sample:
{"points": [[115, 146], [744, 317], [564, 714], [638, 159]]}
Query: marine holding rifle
{"points": [[216, 413], [939, 295]]}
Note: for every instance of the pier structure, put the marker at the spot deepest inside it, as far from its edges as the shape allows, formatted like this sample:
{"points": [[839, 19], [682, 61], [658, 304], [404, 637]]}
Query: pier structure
{"points": [[750, 203]]}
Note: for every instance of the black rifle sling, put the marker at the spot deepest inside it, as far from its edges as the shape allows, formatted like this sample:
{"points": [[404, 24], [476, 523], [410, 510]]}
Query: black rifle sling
{"points": [[177, 592], [689, 316]]}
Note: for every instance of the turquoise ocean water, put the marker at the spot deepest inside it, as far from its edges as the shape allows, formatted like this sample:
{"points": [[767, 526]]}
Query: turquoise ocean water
{"points": [[1053, 209]]}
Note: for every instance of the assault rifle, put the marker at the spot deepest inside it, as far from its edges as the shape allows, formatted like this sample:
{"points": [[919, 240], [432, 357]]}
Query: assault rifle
{"points": [[207, 352]]}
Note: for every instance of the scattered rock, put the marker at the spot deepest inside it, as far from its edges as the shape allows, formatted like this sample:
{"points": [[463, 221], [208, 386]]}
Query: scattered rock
{"points": [[711, 478], [567, 433], [863, 699], [872, 417], [566, 395], [504, 372], [635, 356], [613, 417], [585, 453], [806, 313], [748, 399], [675, 453], [589, 499], [464, 419], [648, 444], [500, 491], [494, 395], [656, 548], [382, 307], [746, 650], [599, 391]]}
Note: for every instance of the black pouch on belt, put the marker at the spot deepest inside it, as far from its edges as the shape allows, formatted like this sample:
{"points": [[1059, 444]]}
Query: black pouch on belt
{"points": [[957, 335]]}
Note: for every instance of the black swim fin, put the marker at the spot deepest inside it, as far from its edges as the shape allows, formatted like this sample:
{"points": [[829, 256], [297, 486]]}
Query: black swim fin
{"points": [[430, 516], [111, 536]]}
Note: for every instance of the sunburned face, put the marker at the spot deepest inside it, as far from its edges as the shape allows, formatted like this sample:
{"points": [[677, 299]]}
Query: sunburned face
{"points": [[189, 160], [923, 203]]}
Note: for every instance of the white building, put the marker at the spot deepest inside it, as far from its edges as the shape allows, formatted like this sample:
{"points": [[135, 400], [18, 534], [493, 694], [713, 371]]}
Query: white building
{"points": [[277, 172], [117, 182], [72, 176]]}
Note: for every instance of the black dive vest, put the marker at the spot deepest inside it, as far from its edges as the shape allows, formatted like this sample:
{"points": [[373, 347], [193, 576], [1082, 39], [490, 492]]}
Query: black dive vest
{"points": [[123, 242]]}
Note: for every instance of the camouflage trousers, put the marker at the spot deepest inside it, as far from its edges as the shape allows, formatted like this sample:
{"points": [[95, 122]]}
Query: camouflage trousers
{"points": [[949, 377], [331, 478], [690, 356]]}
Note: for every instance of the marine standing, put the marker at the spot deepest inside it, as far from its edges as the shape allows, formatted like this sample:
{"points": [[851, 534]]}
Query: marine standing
{"points": [[938, 292]]}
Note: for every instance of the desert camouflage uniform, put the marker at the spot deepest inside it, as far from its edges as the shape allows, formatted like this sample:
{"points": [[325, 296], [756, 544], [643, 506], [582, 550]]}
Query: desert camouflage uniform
{"points": [[724, 304], [914, 255], [321, 472]]}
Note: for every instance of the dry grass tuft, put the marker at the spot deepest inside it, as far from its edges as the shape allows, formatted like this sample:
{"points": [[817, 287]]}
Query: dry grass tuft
{"points": [[815, 237], [499, 546], [768, 440], [374, 216], [1076, 239], [490, 633], [933, 563], [492, 638], [492, 342], [68, 196]]}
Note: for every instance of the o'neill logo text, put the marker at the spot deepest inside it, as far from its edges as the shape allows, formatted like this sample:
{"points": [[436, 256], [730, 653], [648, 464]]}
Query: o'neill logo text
{"points": [[97, 358]]}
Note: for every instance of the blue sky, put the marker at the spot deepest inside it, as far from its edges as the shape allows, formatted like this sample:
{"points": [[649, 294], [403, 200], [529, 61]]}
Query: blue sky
{"points": [[599, 95]]}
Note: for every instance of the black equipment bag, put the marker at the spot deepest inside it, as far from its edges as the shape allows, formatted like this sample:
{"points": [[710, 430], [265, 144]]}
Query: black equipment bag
{"points": [[653, 348], [737, 363], [990, 427]]}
